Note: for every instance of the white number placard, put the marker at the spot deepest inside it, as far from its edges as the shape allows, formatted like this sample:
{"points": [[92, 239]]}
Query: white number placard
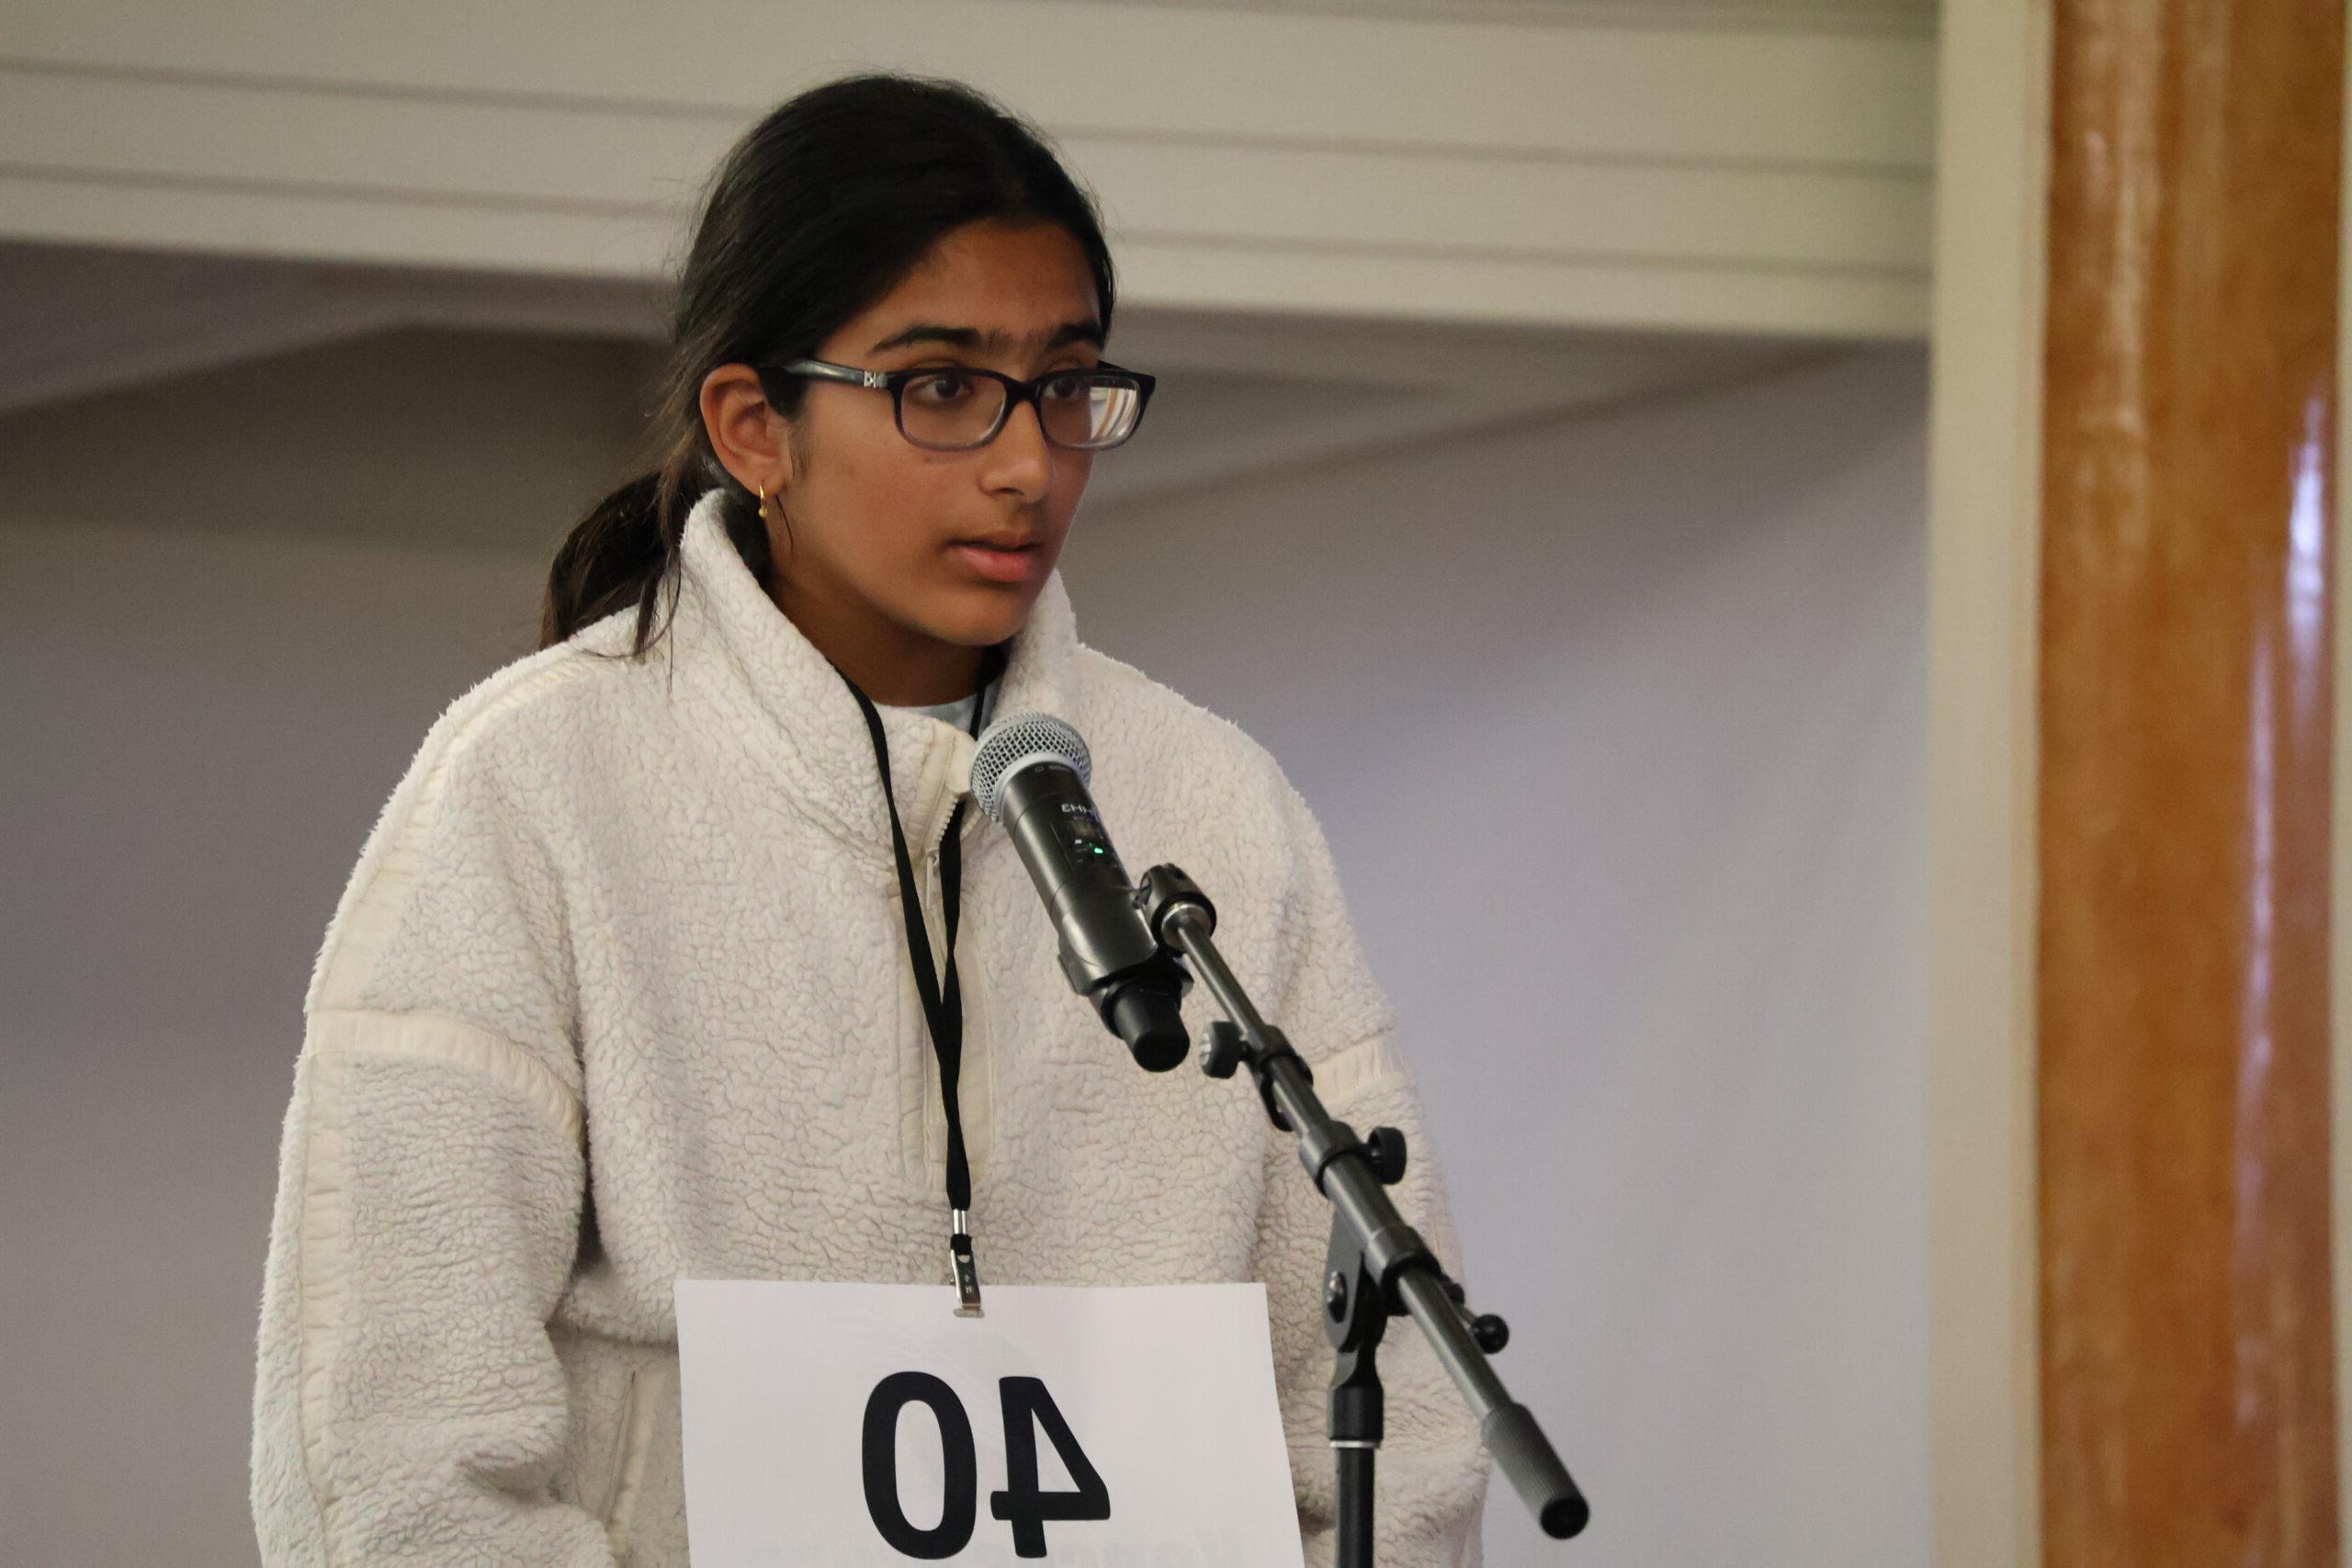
{"points": [[869, 1427]]}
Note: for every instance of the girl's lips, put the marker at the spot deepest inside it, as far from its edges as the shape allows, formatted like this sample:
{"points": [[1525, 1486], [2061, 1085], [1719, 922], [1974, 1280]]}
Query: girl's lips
{"points": [[998, 565]]}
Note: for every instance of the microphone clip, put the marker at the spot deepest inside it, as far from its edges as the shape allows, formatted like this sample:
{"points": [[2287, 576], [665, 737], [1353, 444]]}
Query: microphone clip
{"points": [[1138, 1004], [1163, 891]]}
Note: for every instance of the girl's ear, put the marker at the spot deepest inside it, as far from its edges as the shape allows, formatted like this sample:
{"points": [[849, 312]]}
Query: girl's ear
{"points": [[750, 437]]}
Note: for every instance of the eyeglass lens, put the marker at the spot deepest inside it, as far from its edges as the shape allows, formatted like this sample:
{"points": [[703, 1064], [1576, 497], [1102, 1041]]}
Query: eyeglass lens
{"points": [[1085, 411]]}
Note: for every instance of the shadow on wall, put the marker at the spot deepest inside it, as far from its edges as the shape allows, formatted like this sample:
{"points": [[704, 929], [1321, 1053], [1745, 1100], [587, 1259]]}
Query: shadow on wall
{"points": [[439, 439]]}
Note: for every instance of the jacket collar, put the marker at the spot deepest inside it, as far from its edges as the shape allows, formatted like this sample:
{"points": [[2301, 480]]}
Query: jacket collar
{"points": [[729, 640]]}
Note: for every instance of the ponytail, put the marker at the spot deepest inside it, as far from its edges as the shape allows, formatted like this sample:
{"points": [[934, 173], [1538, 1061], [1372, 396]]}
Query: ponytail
{"points": [[607, 561], [624, 553]]}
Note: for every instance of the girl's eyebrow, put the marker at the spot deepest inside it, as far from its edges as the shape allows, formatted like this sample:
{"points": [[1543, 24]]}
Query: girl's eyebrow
{"points": [[992, 341]]}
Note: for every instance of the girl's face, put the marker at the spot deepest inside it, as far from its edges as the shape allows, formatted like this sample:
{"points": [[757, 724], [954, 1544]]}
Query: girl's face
{"points": [[878, 540]]}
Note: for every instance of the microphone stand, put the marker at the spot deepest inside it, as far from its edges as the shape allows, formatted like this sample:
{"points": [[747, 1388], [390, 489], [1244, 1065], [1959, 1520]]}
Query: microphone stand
{"points": [[1377, 1264]]}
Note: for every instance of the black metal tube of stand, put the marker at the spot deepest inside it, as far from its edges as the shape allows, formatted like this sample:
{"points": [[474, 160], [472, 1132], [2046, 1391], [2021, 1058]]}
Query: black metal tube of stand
{"points": [[1393, 1253], [1352, 1547]]}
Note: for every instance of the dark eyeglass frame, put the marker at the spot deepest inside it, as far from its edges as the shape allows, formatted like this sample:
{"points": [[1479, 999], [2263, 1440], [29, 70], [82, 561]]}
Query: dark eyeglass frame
{"points": [[1016, 393]]}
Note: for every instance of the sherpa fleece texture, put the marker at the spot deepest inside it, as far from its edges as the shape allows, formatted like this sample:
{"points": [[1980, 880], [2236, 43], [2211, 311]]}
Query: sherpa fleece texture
{"points": [[618, 992]]}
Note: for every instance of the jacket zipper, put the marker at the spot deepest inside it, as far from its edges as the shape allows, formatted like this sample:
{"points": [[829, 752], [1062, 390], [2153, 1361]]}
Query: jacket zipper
{"points": [[931, 895], [930, 892]]}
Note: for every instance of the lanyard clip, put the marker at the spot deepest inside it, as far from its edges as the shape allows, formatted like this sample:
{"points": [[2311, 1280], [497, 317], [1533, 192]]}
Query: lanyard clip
{"points": [[967, 1270]]}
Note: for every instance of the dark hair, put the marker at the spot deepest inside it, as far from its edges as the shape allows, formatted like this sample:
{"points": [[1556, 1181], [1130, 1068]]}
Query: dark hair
{"points": [[822, 208]]}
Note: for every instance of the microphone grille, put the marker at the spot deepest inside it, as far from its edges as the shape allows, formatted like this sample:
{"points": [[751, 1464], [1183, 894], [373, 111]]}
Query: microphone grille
{"points": [[1013, 743]]}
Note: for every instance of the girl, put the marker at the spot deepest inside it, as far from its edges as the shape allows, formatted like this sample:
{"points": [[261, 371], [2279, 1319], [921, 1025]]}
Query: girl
{"points": [[679, 951]]}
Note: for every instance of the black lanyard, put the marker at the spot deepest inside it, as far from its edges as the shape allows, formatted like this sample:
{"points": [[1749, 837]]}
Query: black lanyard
{"points": [[943, 997]]}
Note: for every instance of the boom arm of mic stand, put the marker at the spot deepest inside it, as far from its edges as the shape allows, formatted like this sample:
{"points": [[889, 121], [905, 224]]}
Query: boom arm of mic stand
{"points": [[1182, 919]]}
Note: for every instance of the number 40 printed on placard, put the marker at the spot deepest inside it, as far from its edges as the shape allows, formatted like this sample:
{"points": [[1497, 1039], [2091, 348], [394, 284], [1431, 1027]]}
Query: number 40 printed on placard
{"points": [[808, 1412], [1027, 1406]]}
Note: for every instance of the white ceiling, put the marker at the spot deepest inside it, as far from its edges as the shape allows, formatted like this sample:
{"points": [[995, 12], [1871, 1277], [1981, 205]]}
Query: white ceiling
{"points": [[1239, 394]]}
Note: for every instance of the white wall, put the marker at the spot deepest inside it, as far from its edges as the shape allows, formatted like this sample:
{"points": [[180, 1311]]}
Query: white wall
{"points": [[1615, 725], [233, 604], [199, 732]]}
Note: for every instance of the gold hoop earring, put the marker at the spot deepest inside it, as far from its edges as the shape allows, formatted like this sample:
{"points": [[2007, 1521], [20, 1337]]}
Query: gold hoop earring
{"points": [[764, 503]]}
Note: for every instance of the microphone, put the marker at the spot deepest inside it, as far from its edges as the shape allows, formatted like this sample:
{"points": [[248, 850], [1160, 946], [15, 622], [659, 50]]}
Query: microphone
{"points": [[1030, 774]]}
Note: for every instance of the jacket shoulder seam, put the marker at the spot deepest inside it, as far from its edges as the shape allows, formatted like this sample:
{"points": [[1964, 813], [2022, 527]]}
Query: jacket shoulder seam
{"points": [[438, 1037], [1350, 1067]]}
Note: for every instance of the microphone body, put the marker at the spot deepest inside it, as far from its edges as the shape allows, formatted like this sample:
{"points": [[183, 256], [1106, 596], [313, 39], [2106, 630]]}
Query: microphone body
{"points": [[1030, 775]]}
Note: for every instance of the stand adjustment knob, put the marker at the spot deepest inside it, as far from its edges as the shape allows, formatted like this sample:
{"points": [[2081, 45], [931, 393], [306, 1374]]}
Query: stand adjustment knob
{"points": [[1488, 1331], [1385, 1149], [1225, 1050]]}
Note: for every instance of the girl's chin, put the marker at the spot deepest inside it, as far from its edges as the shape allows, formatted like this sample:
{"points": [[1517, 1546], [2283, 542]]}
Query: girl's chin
{"points": [[979, 616]]}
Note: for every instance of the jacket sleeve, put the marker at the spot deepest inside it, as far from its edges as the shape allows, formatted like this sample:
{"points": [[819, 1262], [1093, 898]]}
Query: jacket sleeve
{"points": [[1431, 1476], [409, 1406]]}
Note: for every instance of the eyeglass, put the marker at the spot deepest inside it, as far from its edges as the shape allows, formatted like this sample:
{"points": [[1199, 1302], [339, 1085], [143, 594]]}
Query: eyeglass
{"points": [[955, 408]]}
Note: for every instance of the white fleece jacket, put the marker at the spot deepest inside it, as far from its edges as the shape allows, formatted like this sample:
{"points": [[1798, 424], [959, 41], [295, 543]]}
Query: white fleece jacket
{"points": [[618, 992]]}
